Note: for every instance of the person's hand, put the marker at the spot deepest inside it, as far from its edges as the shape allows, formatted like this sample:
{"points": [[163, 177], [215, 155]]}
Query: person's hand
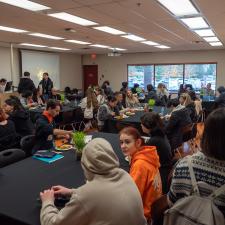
{"points": [[67, 136], [60, 190], [47, 195], [113, 113]]}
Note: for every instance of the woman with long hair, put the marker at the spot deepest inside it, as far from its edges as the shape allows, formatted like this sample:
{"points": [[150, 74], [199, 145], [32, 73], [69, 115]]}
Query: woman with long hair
{"points": [[144, 167], [131, 100]]}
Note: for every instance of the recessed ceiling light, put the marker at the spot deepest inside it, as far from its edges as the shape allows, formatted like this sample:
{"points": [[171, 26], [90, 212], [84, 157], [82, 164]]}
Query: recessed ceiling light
{"points": [[180, 7], [78, 42], [25, 4], [118, 49], [10, 29], [109, 30], [162, 46], [205, 32], [150, 43], [57, 48], [33, 45], [100, 46], [216, 43], [73, 19], [211, 39], [195, 22], [133, 37], [46, 36]]}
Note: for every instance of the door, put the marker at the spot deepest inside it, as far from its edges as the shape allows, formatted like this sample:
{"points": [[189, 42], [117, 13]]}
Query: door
{"points": [[90, 75]]}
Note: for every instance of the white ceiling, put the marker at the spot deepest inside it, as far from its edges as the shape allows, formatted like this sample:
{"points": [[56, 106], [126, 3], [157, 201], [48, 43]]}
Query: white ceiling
{"points": [[145, 18]]}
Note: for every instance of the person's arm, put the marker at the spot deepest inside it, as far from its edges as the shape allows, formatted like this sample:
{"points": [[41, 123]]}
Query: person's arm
{"points": [[103, 114], [58, 132]]}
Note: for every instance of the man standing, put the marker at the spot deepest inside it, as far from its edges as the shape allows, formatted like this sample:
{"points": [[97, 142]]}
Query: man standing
{"points": [[46, 85], [26, 84]]}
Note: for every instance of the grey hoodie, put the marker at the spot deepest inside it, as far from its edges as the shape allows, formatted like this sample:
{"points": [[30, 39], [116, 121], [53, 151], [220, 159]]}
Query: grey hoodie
{"points": [[110, 197]]}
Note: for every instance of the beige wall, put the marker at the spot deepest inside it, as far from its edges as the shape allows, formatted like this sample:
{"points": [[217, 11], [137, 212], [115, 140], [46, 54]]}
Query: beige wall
{"points": [[114, 69], [70, 68]]}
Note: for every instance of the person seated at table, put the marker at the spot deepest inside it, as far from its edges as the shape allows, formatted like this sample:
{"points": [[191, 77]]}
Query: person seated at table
{"points": [[152, 94], [186, 101], [131, 100], [162, 93], [208, 164], [197, 102], [106, 88], [220, 100], [2, 85], [178, 119], [152, 125], [45, 128], [54, 95], [100, 95], [19, 116], [144, 166], [37, 97], [106, 112], [124, 87], [8, 136], [108, 197], [181, 90], [120, 103], [27, 100]]}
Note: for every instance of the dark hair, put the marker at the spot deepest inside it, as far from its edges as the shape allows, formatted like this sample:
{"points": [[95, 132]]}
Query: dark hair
{"points": [[111, 98], [45, 73], [2, 115], [124, 84], [192, 95], [221, 89], [150, 87], [3, 80], [15, 102], [27, 94], [173, 102], [136, 85], [26, 74], [213, 140], [67, 90], [52, 104], [118, 93], [131, 131]]}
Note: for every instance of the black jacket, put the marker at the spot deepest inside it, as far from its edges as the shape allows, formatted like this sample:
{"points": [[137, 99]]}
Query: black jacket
{"points": [[43, 134], [46, 86], [23, 124], [220, 101], [192, 112], [26, 84], [178, 120]]}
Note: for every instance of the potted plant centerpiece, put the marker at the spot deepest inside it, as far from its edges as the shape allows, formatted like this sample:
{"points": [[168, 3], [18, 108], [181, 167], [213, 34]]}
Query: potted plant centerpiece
{"points": [[151, 103], [79, 142]]}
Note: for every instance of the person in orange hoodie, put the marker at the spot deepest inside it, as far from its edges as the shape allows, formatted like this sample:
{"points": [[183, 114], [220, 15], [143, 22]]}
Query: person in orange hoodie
{"points": [[144, 167]]}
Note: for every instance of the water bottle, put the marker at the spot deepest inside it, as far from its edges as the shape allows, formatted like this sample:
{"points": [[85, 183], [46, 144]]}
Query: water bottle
{"points": [[162, 111]]}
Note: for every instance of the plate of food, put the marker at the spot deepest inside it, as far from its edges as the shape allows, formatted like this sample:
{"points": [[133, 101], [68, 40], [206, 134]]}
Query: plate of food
{"points": [[64, 147], [130, 113]]}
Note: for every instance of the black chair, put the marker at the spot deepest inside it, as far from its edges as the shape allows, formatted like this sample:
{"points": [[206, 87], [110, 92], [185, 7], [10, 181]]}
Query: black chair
{"points": [[27, 143], [10, 156]]}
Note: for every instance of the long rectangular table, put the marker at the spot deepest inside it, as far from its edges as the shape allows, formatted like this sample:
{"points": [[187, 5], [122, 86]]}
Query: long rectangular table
{"points": [[22, 182]]}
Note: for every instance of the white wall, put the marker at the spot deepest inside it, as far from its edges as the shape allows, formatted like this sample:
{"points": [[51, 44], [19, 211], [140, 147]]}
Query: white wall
{"points": [[70, 68], [114, 69]]}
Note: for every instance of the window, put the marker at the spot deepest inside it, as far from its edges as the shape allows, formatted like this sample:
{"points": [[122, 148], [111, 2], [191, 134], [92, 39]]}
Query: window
{"points": [[170, 75], [140, 74], [199, 75]]}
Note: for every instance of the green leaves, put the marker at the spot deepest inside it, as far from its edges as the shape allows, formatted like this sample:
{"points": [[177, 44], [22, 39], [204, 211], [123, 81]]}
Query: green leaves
{"points": [[79, 140]]}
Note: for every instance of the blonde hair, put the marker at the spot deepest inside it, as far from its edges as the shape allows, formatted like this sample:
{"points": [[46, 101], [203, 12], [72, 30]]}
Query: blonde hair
{"points": [[187, 98], [91, 98]]}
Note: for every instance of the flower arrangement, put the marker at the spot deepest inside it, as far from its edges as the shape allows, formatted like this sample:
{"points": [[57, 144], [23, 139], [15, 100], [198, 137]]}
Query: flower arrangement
{"points": [[79, 140]]}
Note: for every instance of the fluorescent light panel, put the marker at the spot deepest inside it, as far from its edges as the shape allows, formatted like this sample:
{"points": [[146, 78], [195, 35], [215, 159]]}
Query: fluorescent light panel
{"points": [[195, 22], [78, 42], [10, 29], [216, 43], [33, 45], [118, 49], [109, 30], [205, 32], [25, 4], [73, 19], [46, 36], [152, 43], [179, 7], [133, 37], [100, 46], [57, 48], [211, 39], [162, 46]]}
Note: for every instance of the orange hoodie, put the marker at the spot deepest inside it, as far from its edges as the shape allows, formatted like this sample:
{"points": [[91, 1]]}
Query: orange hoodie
{"points": [[145, 173]]}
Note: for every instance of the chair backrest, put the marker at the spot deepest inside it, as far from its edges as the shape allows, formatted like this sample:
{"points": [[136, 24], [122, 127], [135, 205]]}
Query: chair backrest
{"points": [[10, 156], [27, 143]]}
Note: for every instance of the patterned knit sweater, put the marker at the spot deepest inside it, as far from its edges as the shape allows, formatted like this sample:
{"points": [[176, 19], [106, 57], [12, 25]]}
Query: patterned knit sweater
{"points": [[209, 173]]}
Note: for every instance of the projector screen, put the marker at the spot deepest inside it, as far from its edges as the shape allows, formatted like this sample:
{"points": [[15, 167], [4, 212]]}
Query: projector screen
{"points": [[37, 63]]}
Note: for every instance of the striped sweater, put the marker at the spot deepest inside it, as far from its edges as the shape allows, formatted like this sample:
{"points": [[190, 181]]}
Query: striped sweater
{"points": [[209, 173]]}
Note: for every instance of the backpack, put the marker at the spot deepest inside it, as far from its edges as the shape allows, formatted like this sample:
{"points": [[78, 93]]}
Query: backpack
{"points": [[194, 209]]}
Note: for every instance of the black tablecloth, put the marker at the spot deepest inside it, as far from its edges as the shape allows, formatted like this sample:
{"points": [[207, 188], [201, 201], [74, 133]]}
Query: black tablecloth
{"points": [[21, 183]]}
